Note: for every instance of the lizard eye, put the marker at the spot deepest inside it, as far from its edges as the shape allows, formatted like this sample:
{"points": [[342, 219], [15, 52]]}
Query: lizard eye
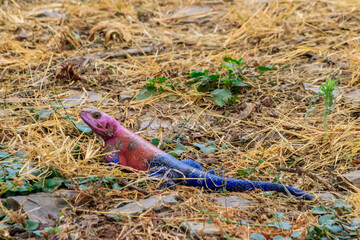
{"points": [[96, 115]]}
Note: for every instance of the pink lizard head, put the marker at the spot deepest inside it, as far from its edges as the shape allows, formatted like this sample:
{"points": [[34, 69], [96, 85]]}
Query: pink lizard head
{"points": [[101, 123]]}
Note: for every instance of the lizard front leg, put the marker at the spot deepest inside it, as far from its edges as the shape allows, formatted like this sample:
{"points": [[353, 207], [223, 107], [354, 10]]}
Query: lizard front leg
{"points": [[114, 156]]}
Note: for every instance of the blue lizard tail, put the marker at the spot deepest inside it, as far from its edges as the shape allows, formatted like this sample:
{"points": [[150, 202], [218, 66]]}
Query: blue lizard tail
{"points": [[211, 181], [192, 174]]}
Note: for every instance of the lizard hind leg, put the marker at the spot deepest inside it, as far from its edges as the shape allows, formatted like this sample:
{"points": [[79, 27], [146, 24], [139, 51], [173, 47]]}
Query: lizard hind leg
{"points": [[192, 163], [164, 181]]}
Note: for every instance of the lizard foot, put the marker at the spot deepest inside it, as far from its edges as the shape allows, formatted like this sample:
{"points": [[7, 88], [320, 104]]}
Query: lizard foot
{"points": [[167, 184], [192, 163]]}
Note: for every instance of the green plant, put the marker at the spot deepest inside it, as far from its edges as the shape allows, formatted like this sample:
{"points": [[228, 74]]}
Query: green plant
{"points": [[332, 224], [13, 184], [48, 179], [225, 84], [282, 225], [44, 113], [250, 170], [206, 148], [222, 86], [327, 92], [154, 86]]}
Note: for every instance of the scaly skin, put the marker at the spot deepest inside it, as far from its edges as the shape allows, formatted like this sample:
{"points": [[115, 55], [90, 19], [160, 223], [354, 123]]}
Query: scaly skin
{"points": [[131, 150]]}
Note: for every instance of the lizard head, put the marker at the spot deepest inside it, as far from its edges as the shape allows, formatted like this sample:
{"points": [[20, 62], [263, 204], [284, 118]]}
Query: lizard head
{"points": [[101, 123]]}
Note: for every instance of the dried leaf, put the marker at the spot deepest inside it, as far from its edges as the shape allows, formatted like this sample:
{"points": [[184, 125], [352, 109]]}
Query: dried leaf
{"points": [[247, 110], [111, 28]]}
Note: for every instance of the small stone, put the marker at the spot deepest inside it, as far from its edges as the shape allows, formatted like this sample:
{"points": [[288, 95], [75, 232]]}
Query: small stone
{"points": [[234, 201], [126, 94], [190, 11], [77, 98], [40, 207], [135, 208], [66, 193], [351, 177], [51, 13], [196, 229], [327, 196]]}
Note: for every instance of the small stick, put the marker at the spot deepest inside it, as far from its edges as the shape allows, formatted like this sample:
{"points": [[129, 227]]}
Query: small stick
{"points": [[310, 174], [121, 53], [126, 183]]}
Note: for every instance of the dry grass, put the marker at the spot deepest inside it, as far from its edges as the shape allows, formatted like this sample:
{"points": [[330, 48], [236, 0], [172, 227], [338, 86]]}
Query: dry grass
{"points": [[318, 39]]}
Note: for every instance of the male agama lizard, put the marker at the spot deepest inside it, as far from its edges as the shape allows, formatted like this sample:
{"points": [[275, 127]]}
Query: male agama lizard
{"points": [[128, 149]]}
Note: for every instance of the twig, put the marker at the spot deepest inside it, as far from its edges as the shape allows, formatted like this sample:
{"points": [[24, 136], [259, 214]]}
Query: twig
{"points": [[309, 174], [126, 183], [121, 53]]}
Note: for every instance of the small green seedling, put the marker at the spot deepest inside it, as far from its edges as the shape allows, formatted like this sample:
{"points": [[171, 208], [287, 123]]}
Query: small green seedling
{"points": [[154, 86], [327, 91]]}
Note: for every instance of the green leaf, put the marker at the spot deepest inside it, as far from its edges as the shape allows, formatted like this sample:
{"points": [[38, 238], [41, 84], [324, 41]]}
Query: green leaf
{"points": [[4, 225], [203, 77], [263, 69], [83, 127], [284, 225], [38, 185], [238, 83], [44, 113], [342, 204], [295, 234], [197, 74], [280, 238], [146, 93], [52, 230], [319, 210], [4, 155], [257, 236], [155, 141], [355, 222], [178, 150], [151, 83], [108, 180], [21, 154], [116, 186], [327, 219], [56, 106], [206, 148], [83, 187], [231, 67], [48, 189], [38, 233], [221, 96], [243, 172], [53, 182], [237, 62], [31, 225], [24, 189], [336, 229]]}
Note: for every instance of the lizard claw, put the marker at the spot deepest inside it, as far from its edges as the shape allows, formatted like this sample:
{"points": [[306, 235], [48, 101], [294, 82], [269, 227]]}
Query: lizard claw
{"points": [[167, 183]]}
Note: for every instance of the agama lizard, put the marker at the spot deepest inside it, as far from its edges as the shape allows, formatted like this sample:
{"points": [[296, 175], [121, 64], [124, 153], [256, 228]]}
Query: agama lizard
{"points": [[126, 148]]}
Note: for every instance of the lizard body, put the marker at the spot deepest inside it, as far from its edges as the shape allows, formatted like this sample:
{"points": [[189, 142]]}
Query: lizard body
{"points": [[129, 149]]}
